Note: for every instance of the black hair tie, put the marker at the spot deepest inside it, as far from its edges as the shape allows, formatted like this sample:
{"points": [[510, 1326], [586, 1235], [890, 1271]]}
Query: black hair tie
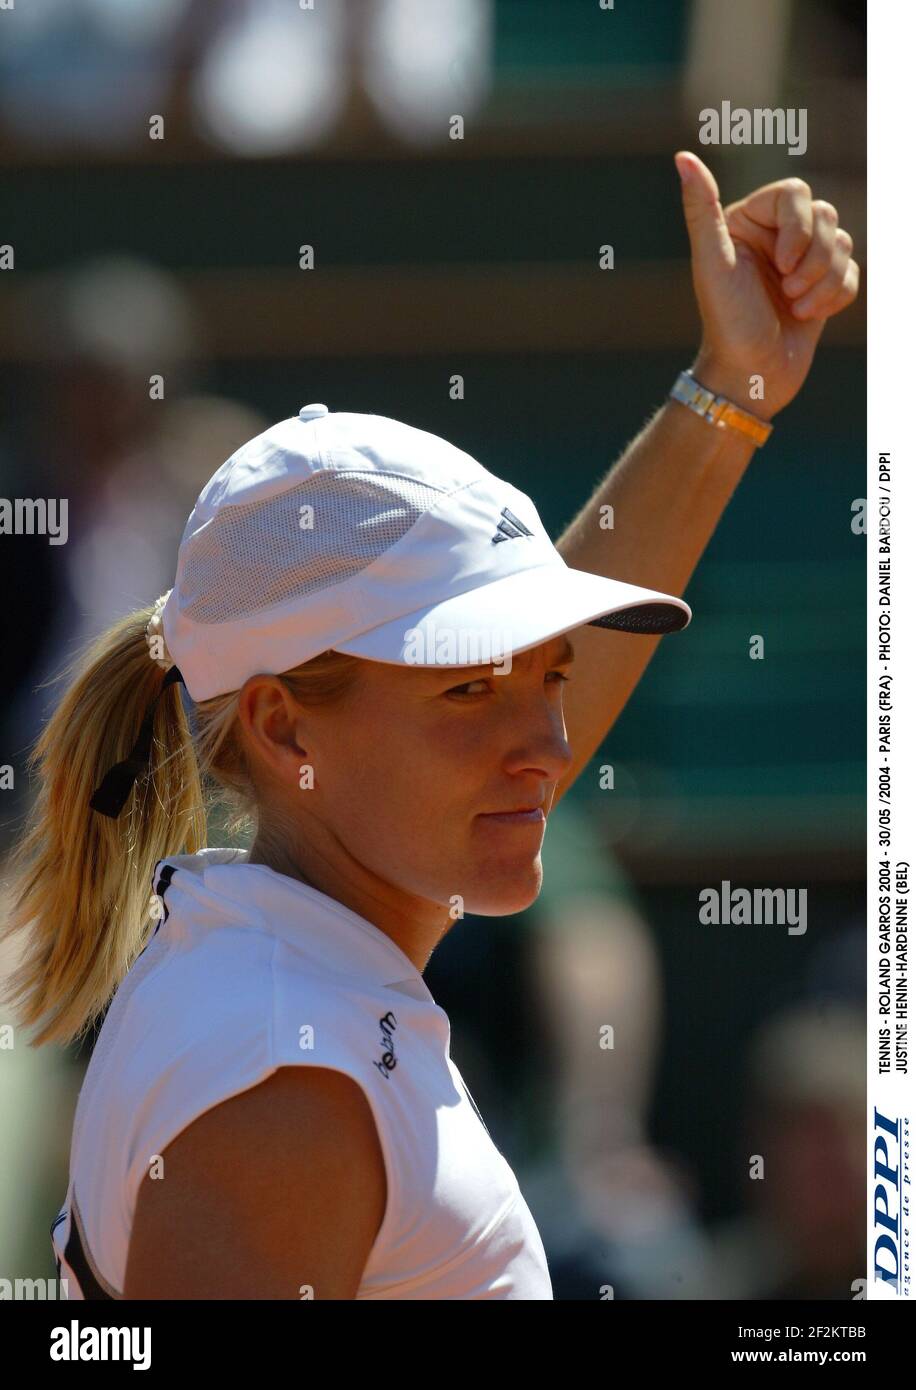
{"points": [[111, 794]]}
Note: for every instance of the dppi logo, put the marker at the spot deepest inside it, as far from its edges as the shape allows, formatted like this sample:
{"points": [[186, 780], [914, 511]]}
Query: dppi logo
{"points": [[388, 1062], [887, 1199]]}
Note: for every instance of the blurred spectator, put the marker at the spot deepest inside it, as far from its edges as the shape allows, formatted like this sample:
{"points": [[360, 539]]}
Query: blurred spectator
{"points": [[262, 77], [129, 464], [803, 1237]]}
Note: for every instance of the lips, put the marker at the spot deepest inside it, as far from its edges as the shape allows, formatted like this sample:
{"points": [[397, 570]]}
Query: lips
{"points": [[530, 815], [518, 808]]}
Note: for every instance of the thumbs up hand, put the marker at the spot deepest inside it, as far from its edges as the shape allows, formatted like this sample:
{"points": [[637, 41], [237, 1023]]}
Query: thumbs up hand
{"points": [[768, 271]]}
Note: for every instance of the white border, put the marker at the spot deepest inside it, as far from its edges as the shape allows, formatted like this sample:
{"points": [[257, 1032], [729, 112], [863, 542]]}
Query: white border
{"points": [[891, 427]]}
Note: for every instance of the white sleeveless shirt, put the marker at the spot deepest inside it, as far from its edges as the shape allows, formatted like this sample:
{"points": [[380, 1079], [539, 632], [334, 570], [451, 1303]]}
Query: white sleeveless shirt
{"points": [[250, 970]]}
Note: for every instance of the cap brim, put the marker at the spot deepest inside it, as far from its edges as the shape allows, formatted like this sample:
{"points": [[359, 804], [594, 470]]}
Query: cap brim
{"points": [[511, 614]]}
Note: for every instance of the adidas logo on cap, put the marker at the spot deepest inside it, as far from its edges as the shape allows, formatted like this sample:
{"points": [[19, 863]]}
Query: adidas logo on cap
{"points": [[510, 528]]}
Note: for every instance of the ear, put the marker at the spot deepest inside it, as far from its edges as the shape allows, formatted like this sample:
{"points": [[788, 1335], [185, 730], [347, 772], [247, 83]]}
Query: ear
{"points": [[272, 721]]}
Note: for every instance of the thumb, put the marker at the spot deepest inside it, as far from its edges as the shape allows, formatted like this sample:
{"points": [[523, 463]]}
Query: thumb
{"points": [[710, 241]]}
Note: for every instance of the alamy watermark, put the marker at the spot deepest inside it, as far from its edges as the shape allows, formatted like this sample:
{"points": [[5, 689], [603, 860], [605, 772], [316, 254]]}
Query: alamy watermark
{"points": [[727, 906], [761, 125], [35, 516], [27, 1290], [458, 646], [90, 1343]]}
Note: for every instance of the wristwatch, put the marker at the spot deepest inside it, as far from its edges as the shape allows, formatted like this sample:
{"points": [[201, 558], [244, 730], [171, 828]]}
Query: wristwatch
{"points": [[719, 410]]}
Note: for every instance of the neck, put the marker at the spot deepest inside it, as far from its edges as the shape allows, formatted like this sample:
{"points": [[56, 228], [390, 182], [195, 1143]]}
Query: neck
{"points": [[415, 925]]}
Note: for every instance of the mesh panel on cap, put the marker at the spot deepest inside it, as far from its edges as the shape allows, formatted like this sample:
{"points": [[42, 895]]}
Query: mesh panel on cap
{"points": [[645, 617], [257, 554]]}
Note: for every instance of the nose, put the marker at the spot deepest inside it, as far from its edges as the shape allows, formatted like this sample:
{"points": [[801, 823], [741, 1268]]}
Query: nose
{"points": [[540, 744]]}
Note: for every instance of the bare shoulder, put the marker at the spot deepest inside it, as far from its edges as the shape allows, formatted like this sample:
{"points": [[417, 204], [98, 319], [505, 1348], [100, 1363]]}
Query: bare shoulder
{"points": [[275, 1191]]}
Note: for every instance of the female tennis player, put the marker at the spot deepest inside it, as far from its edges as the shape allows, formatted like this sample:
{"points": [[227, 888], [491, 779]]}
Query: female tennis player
{"points": [[373, 636]]}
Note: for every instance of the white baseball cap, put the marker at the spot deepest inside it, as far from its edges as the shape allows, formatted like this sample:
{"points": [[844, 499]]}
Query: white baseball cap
{"points": [[357, 533]]}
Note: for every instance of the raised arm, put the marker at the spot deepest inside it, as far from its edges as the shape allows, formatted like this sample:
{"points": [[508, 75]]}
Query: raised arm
{"points": [[768, 271]]}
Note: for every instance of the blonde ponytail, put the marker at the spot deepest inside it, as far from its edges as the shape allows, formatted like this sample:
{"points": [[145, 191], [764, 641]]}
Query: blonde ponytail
{"points": [[79, 881]]}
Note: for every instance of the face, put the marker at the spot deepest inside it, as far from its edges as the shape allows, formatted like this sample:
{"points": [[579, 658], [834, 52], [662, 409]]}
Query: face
{"points": [[410, 767]]}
